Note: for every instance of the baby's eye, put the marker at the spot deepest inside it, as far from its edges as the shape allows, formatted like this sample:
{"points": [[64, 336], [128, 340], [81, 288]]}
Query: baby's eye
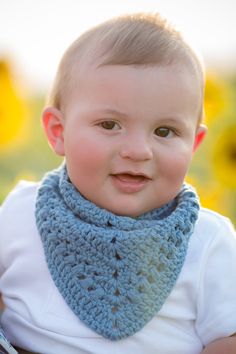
{"points": [[164, 132], [109, 125]]}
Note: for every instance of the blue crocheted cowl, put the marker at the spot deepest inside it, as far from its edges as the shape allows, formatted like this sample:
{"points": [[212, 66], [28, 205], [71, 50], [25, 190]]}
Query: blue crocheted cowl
{"points": [[114, 272]]}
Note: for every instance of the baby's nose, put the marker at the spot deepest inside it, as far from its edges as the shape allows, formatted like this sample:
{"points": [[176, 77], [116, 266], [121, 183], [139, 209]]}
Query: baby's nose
{"points": [[136, 148]]}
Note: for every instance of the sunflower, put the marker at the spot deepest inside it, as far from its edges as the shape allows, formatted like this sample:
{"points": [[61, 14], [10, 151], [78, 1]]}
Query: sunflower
{"points": [[224, 157], [13, 110], [217, 98]]}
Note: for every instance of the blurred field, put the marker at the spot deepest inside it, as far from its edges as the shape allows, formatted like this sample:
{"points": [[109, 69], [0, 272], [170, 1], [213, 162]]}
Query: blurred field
{"points": [[24, 152]]}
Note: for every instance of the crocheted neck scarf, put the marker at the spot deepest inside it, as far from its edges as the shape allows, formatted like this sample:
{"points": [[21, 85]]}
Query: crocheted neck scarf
{"points": [[114, 272]]}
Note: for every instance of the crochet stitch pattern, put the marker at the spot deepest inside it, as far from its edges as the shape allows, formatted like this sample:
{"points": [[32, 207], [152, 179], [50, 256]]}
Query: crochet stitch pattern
{"points": [[114, 272]]}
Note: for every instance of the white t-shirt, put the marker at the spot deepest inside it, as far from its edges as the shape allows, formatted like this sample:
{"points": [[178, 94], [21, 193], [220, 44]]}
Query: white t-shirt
{"points": [[200, 308]]}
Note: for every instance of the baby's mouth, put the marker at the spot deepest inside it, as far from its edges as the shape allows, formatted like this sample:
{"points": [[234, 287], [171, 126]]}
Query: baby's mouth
{"points": [[129, 182], [127, 177]]}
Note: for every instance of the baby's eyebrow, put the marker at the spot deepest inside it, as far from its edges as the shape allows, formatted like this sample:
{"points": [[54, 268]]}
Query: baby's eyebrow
{"points": [[183, 121], [113, 112]]}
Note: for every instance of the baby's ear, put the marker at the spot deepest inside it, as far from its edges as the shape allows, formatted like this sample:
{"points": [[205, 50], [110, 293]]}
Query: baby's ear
{"points": [[54, 128], [200, 134]]}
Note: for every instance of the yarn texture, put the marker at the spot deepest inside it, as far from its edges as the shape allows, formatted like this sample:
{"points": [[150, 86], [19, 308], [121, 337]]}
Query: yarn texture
{"points": [[114, 272]]}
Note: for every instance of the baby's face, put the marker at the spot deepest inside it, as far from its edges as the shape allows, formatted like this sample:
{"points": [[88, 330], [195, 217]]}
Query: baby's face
{"points": [[129, 134]]}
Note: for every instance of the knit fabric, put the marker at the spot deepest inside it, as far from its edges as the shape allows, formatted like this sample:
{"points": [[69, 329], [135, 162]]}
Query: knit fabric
{"points": [[114, 272]]}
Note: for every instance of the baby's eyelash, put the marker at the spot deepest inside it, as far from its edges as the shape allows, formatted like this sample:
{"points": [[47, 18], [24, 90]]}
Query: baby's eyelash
{"points": [[165, 132], [109, 125]]}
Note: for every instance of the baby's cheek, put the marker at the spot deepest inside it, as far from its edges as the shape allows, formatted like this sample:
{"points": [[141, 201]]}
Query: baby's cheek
{"points": [[79, 145], [92, 157], [179, 164]]}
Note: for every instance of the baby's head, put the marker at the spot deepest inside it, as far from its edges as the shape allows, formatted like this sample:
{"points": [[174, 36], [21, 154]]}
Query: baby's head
{"points": [[125, 111], [140, 40]]}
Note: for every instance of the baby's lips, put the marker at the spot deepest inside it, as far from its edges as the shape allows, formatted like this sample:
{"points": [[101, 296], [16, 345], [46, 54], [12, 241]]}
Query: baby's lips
{"points": [[126, 177]]}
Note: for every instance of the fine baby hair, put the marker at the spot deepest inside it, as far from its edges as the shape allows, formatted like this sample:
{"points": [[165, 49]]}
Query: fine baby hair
{"points": [[138, 39]]}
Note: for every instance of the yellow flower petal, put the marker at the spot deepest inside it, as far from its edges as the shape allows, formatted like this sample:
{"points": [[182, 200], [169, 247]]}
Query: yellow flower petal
{"points": [[224, 157], [217, 98], [13, 111]]}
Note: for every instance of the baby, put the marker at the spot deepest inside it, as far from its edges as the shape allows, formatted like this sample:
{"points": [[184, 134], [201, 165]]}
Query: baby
{"points": [[111, 252]]}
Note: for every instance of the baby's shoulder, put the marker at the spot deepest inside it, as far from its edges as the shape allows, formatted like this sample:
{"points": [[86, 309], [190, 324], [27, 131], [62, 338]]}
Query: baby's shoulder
{"points": [[17, 219], [212, 225], [23, 194], [208, 217]]}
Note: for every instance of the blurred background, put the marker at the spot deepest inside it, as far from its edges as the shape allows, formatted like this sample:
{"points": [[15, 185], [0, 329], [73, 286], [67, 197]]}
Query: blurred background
{"points": [[33, 37]]}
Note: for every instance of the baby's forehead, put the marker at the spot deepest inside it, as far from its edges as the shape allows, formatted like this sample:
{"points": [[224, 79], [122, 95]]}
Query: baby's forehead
{"points": [[109, 82], [84, 68]]}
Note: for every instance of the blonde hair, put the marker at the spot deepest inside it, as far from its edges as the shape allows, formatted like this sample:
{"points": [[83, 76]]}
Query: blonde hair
{"points": [[139, 40]]}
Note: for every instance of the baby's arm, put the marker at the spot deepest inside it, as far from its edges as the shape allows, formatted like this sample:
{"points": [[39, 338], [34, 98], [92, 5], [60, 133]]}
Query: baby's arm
{"points": [[222, 346]]}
